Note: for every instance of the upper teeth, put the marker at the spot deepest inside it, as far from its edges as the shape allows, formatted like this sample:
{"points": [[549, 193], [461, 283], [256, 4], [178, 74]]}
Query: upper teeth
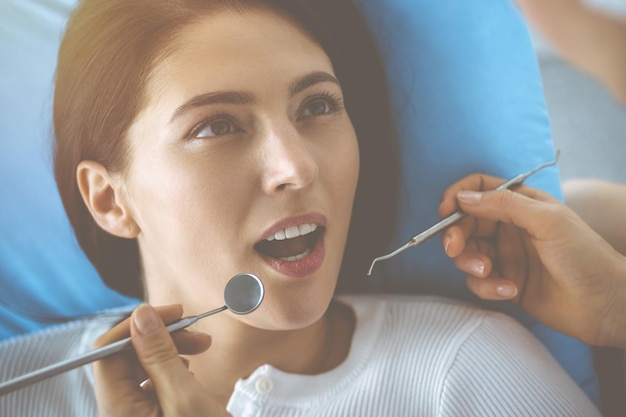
{"points": [[293, 231]]}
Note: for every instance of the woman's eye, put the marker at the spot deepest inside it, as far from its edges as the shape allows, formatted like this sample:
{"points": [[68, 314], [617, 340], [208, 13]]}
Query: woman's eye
{"points": [[213, 128], [317, 108], [321, 105]]}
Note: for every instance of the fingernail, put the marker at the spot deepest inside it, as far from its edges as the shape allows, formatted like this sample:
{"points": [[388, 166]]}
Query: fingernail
{"points": [[470, 198], [146, 319], [446, 243], [477, 268], [508, 291]]}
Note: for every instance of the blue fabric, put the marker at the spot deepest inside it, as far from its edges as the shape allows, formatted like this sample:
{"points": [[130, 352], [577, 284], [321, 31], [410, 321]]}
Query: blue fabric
{"points": [[467, 95], [43, 273]]}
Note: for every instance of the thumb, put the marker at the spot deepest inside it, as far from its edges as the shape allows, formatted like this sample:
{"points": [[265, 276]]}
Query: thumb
{"points": [[509, 207], [156, 351]]}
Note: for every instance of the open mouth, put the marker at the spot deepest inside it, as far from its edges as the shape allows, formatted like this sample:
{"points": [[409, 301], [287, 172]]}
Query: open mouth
{"points": [[291, 243]]}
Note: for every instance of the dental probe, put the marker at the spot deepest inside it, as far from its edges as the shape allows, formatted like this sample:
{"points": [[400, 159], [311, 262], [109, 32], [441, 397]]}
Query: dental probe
{"points": [[458, 215], [242, 295]]}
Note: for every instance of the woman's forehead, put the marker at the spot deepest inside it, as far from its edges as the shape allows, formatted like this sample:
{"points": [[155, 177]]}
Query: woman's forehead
{"points": [[236, 46]]}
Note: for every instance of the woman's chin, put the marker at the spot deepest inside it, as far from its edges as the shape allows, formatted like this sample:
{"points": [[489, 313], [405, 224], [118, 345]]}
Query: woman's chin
{"points": [[286, 316]]}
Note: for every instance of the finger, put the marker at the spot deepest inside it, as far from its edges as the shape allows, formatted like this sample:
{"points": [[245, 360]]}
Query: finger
{"points": [[185, 363], [148, 387], [124, 373], [191, 343], [168, 314], [157, 353], [117, 377], [474, 182], [512, 256], [141, 376], [187, 343], [492, 288], [508, 206], [476, 259], [482, 182], [116, 382], [454, 237]]}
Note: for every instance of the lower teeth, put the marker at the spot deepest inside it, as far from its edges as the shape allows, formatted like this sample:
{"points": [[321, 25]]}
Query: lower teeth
{"points": [[297, 257]]}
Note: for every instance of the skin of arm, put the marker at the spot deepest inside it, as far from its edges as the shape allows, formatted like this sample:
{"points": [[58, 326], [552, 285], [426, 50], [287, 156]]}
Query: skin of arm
{"points": [[601, 204], [592, 40]]}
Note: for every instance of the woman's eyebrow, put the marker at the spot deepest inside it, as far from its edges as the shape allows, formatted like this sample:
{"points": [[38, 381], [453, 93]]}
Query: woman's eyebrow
{"points": [[215, 97], [308, 80], [233, 97]]}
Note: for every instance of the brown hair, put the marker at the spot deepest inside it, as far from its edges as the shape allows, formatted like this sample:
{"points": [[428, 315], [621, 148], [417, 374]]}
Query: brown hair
{"points": [[105, 59]]}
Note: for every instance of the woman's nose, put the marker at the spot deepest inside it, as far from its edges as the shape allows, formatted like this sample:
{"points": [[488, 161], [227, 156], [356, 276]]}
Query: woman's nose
{"points": [[288, 161]]}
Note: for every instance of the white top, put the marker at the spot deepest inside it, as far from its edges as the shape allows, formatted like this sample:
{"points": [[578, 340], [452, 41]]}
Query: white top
{"points": [[410, 356]]}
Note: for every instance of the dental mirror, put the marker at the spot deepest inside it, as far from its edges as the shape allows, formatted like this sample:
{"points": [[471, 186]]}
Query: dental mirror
{"points": [[243, 294]]}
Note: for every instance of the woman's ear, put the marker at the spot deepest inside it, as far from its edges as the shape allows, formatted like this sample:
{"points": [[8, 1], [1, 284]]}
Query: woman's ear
{"points": [[105, 200]]}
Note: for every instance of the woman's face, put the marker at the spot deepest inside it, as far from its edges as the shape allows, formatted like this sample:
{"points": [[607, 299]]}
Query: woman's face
{"points": [[243, 160]]}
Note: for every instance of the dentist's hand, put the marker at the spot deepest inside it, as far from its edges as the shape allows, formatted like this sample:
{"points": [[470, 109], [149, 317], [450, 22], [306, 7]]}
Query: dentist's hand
{"points": [[171, 389], [526, 246]]}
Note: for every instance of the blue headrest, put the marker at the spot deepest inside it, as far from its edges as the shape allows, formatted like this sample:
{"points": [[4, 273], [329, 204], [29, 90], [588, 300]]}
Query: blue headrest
{"points": [[42, 269], [467, 96]]}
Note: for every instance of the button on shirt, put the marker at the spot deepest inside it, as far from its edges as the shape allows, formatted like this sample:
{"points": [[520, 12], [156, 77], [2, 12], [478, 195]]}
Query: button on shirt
{"points": [[264, 385]]}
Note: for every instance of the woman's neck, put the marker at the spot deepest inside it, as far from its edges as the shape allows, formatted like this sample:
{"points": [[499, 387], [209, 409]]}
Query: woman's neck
{"points": [[237, 351]]}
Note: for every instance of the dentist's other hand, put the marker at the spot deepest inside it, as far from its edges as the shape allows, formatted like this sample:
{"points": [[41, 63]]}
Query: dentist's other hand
{"points": [[170, 390], [526, 246]]}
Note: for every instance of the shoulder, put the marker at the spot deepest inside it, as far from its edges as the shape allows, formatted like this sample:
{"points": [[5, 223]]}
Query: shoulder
{"points": [[468, 360], [68, 394], [436, 318], [428, 333], [57, 342]]}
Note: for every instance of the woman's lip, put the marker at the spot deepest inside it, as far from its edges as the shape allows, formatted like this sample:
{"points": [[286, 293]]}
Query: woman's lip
{"points": [[305, 266], [296, 220]]}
